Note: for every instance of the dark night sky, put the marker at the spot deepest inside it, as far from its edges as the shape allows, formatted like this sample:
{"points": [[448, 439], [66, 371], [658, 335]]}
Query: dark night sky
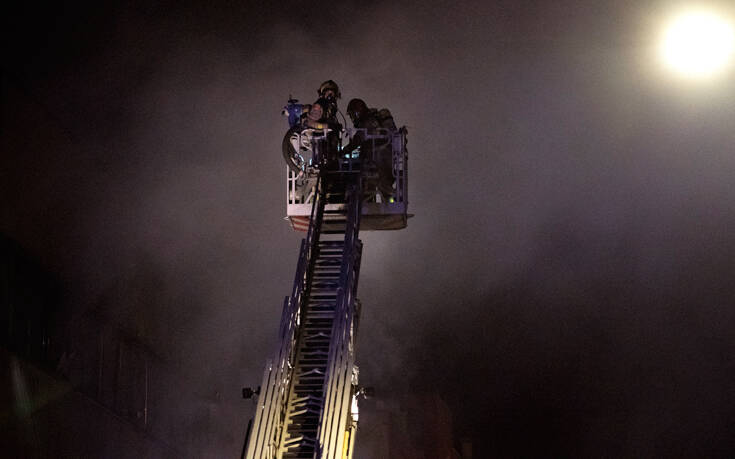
{"points": [[566, 285]]}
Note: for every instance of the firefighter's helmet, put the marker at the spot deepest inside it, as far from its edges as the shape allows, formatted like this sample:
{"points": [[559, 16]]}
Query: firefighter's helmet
{"points": [[329, 85], [356, 109]]}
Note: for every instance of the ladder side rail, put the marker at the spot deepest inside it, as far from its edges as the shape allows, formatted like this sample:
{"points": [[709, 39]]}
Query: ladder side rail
{"points": [[337, 410], [332, 417], [284, 375], [305, 266], [298, 281], [353, 415], [270, 424], [339, 369], [332, 376], [349, 391], [350, 329], [310, 242], [258, 438], [272, 379], [353, 320], [299, 298], [352, 419], [343, 402], [341, 397], [271, 414], [344, 423], [266, 426], [315, 226]]}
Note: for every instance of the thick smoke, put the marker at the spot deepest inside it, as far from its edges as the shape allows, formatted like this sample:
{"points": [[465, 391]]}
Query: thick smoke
{"points": [[564, 288]]}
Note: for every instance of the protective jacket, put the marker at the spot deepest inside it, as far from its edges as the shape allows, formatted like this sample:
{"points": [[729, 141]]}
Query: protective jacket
{"points": [[377, 152]]}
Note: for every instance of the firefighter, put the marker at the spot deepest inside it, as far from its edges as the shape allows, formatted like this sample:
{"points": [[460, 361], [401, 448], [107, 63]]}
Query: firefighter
{"points": [[323, 113], [362, 117], [327, 106], [308, 120], [371, 120], [328, 95]]}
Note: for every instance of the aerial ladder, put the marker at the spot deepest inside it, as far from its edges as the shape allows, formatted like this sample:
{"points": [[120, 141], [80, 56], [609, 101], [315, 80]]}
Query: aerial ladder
{"points": [[307, 400]]}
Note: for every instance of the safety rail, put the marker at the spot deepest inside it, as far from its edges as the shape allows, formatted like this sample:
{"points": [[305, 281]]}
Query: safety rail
{"points": [[300, 185], [379, 212]]}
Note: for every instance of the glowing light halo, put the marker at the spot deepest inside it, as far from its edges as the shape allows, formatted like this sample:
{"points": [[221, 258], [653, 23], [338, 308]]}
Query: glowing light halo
{"points": [[698, 44]]}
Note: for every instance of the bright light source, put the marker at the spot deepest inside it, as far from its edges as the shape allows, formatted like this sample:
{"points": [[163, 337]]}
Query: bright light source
{"points": [[698, 44]]}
